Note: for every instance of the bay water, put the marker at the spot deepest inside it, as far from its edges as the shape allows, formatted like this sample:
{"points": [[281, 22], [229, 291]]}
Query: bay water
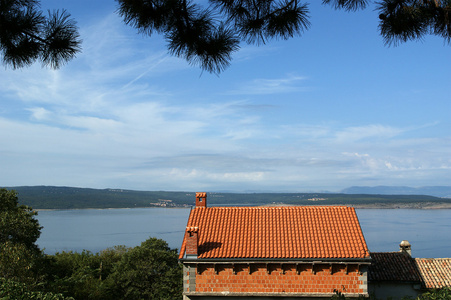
{"points": [[429, 231]]}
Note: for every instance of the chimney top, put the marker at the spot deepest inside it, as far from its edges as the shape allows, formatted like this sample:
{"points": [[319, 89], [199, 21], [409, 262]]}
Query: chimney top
{"points": [[201, 199], [192, 240], [192, 229], [405, 247]]}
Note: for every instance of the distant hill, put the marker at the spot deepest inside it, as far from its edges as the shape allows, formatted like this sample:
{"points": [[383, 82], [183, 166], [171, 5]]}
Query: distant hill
{"points": [[437, 191], [52, 197], [55, 197]]}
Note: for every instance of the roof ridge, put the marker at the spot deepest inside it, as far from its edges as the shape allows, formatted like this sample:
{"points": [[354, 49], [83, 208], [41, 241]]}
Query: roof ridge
{"points": [[278, 207], [432, 258], [392, 252]]}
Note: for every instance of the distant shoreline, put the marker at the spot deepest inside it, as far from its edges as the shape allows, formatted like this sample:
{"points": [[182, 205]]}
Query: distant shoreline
{"points": [[416, 205], [425, 205], [48, 197], [107, 208], [404, 206]]}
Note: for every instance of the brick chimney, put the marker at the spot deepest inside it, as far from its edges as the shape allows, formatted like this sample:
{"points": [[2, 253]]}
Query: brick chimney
{"points": [[405, 247], [201, 199], [191, 237]]}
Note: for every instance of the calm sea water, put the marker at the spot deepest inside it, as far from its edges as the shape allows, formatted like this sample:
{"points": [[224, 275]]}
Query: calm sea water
{"points": [[429, 231]]}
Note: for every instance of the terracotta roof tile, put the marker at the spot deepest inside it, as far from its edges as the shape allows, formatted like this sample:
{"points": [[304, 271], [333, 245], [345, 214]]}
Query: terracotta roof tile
{"points": [[278, 232], [435, 272], [393, 266]]}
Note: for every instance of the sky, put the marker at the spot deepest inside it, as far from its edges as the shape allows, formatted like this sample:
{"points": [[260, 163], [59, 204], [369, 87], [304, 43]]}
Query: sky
{"points": [[330, 109]]}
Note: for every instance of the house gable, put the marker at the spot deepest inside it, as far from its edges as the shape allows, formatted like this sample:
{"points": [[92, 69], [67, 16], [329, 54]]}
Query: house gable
{"points": [[263, 252], [277, 232]]}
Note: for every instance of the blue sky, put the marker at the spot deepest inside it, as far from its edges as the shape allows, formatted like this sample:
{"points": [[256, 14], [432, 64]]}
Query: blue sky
{"points": [[331, 109]]}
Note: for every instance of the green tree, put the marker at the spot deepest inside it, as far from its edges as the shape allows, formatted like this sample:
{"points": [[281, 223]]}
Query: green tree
{"points": [[149, 271], [82, 275], [437, 294], [74, 274], [19, 231], [17, 222], [26, 35], [19, 291], [208, 35]]}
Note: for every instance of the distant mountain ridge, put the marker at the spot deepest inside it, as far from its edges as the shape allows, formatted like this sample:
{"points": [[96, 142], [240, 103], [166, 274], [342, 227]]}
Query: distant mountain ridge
{"points": [[436, 191]]}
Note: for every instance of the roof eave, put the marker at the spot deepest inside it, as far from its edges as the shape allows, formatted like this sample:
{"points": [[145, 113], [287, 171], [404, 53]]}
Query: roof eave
{"points": [[366, 260]]}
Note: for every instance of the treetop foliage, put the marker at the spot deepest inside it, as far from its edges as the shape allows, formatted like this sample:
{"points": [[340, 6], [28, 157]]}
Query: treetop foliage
{"points": [[207, 35], [436, 294], [17, 222], [19, 231], [10, 289], [401, 21], [27, 35], [148, 271]]}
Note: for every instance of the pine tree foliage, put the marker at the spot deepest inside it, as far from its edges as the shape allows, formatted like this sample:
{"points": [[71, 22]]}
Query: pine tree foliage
{"points": [[26, 35], [401, 21], [207, 35], [406, 20], [349, 5]]}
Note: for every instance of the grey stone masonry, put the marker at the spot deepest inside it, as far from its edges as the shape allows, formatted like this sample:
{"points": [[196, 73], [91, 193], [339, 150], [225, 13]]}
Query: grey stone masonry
{"points": [[189, 279], [364, 278]]}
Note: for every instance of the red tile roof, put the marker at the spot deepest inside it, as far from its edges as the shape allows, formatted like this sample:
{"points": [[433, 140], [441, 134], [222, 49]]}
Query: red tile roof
{"points": [[278, 232], [393, 266], [435, 272]]}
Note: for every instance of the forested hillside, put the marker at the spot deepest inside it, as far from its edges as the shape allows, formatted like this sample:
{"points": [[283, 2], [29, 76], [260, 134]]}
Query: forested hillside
{"points": [[437, 191], [51, 197]]}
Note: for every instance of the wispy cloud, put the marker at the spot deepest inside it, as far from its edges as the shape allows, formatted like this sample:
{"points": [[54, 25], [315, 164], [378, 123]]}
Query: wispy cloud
{"points": [[263, 86], [39, 113], [373, 131]]}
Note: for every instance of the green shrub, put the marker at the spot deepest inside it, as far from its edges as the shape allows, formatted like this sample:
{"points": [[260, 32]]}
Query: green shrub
{"points": [[12, 290]]}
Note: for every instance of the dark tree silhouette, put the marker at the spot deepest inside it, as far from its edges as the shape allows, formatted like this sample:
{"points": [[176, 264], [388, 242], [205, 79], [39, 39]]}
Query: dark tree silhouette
{"points": [[26, 35], [401, 21], [208, 35], [205, 35]]}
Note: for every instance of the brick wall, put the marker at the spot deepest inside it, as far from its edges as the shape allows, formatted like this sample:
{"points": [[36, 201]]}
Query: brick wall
{"points": [[191, 238], [276, 278]]}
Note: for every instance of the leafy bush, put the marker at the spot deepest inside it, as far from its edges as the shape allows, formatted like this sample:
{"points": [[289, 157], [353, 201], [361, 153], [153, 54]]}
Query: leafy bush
{"points": [[437, 294], [12, 290], [148, 271]]}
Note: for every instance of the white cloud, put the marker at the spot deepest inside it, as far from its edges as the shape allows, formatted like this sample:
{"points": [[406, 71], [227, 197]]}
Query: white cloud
{"points": [[262, 86], [39, 113], [374, 131]]}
